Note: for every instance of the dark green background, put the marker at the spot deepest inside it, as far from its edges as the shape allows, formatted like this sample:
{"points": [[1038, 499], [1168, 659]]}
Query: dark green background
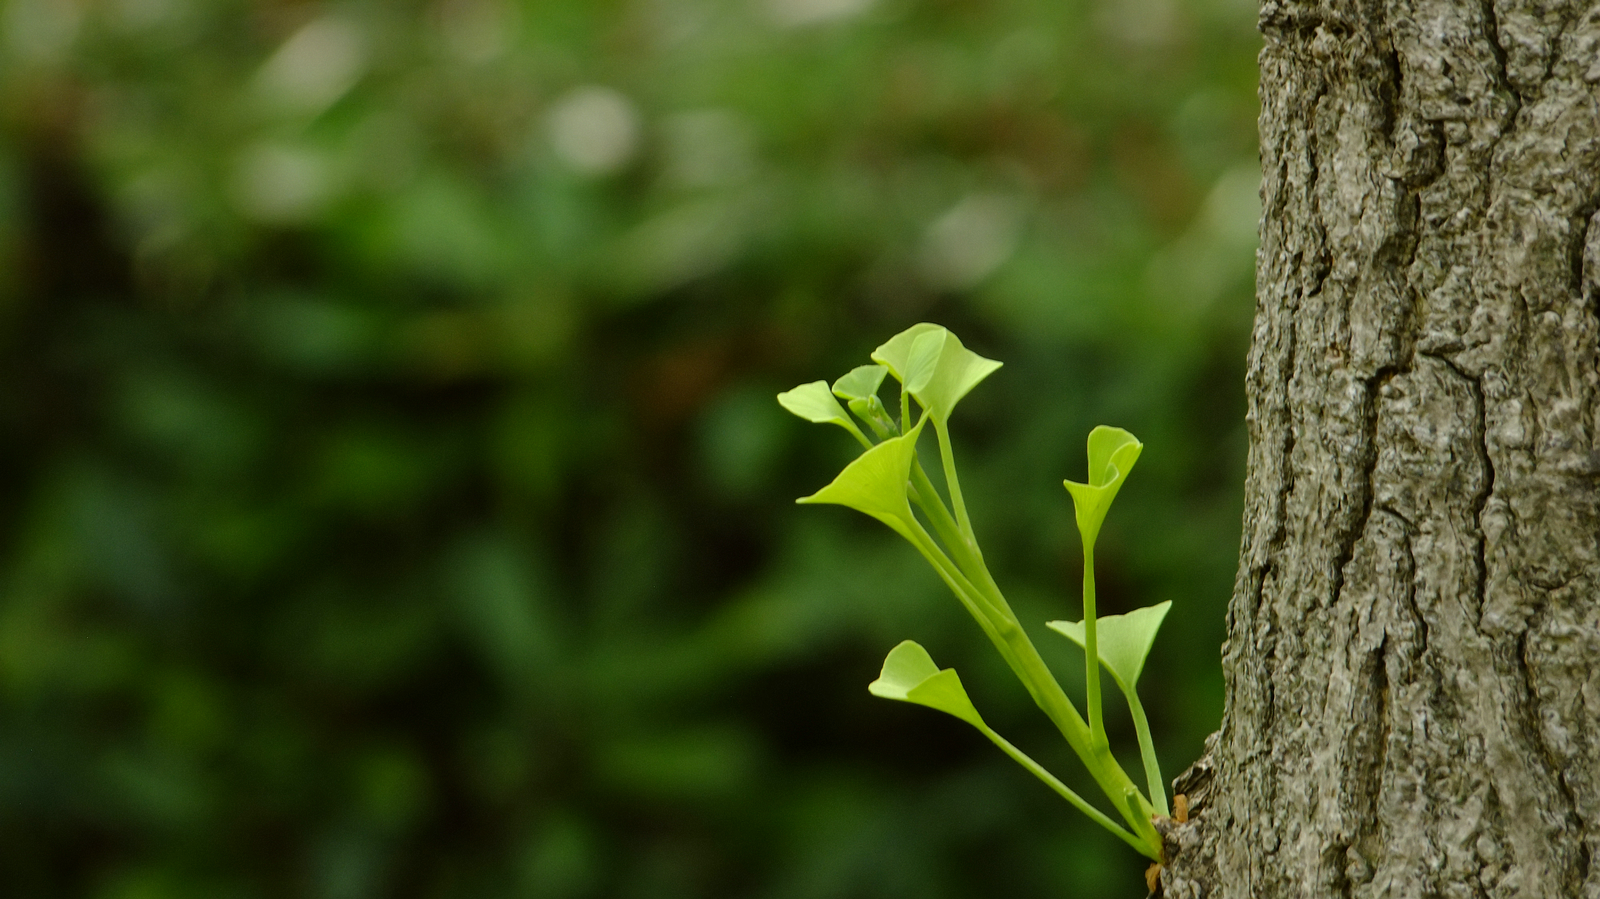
{"points": [[392, 497]]}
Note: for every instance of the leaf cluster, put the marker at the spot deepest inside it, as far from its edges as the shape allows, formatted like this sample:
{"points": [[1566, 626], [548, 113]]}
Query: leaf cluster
{"points": [[887, 481]]}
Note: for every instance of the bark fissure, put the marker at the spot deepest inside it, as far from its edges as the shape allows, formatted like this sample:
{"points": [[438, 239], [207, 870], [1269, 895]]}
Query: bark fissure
{"points": [[1589, 264], [1417, 617], [1584, 234], [1491, 19], [1532, 733]]}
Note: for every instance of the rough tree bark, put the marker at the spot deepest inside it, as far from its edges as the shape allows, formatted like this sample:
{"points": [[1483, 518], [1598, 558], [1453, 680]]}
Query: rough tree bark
{"points": [[1413, 658]]}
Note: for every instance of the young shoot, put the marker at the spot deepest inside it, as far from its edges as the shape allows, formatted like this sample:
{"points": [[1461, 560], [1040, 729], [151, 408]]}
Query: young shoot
{"points": [[887, 481]]}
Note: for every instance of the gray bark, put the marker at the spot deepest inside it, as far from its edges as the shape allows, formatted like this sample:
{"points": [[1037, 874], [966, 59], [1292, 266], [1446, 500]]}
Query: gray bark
{"points": [[1413, 655]]}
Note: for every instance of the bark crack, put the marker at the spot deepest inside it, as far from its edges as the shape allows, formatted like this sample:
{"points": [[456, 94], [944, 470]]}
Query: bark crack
{"points": [[1491, 19], [1587, 229], [1502, 77], [1533, 735], [1286, 489], [1411, 591], [1366, 466], [1480, 499]]}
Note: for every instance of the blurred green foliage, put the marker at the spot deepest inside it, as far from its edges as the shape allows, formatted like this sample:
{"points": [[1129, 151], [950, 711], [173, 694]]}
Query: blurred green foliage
{"points": [[394, 500]]}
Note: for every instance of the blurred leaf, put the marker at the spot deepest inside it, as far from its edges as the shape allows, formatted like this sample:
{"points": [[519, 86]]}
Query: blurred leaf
{"points": [[685, 766], [860, 383], [895, 353], [741, 435], [814, 402], [505, 611]]}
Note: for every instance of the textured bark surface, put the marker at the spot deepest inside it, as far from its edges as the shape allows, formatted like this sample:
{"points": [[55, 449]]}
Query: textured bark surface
{"points": [[1414, 638]]}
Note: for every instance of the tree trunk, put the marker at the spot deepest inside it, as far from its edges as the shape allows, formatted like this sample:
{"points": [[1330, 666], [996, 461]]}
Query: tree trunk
{"points": [[1413, 655]]}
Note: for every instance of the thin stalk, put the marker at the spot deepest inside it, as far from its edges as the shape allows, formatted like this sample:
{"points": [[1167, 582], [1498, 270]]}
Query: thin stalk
{"points": [[991, 619], [856, 433], [965, 552], [1066, 793], [1147, 751], [993, 614], [947, 455], [905, 409], [1102, 766], [1091, 650], [1041, 684], [968, 597]]}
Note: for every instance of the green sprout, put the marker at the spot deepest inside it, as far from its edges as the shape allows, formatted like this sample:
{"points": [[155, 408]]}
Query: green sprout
{"points": [[887, 481]]}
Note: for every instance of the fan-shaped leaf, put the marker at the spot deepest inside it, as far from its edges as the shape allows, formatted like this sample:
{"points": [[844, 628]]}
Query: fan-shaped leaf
{"points": [[876, 482], [814, 402], [935, 367], [1124, 641], [896, 351], [1112, 453], [860, 382], [909, 675], [958, 371]]}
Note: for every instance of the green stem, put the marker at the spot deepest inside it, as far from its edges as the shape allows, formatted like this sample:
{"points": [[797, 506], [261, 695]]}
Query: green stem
{"points": [[856, 433], [991, 619], [1066, 793], [1047, 693], [1147, 750], [987, 605], [966, 552], [1001, 626], [1091, 649], [947, 455]]}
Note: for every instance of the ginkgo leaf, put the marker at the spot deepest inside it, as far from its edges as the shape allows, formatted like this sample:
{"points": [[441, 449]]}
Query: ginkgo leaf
{"points": [[1112, 454], [923, 360], [814, 402], [935, 367], [896, 351], [1123, 641], [957, 371], [860, 383], [876, 482], [909, 675]]}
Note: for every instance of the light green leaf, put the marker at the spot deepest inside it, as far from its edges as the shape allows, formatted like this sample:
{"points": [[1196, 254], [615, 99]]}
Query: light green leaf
{"points": [[896, 352], [1112, 453], [876, 482], [959, 370], [860, 383], [1124, 641], [935, 367], [923, 360], [909, 675], [813, 402]]}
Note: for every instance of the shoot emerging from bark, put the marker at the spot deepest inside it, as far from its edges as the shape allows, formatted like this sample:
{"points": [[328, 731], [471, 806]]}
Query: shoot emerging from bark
{"points": [[887, 481]]}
